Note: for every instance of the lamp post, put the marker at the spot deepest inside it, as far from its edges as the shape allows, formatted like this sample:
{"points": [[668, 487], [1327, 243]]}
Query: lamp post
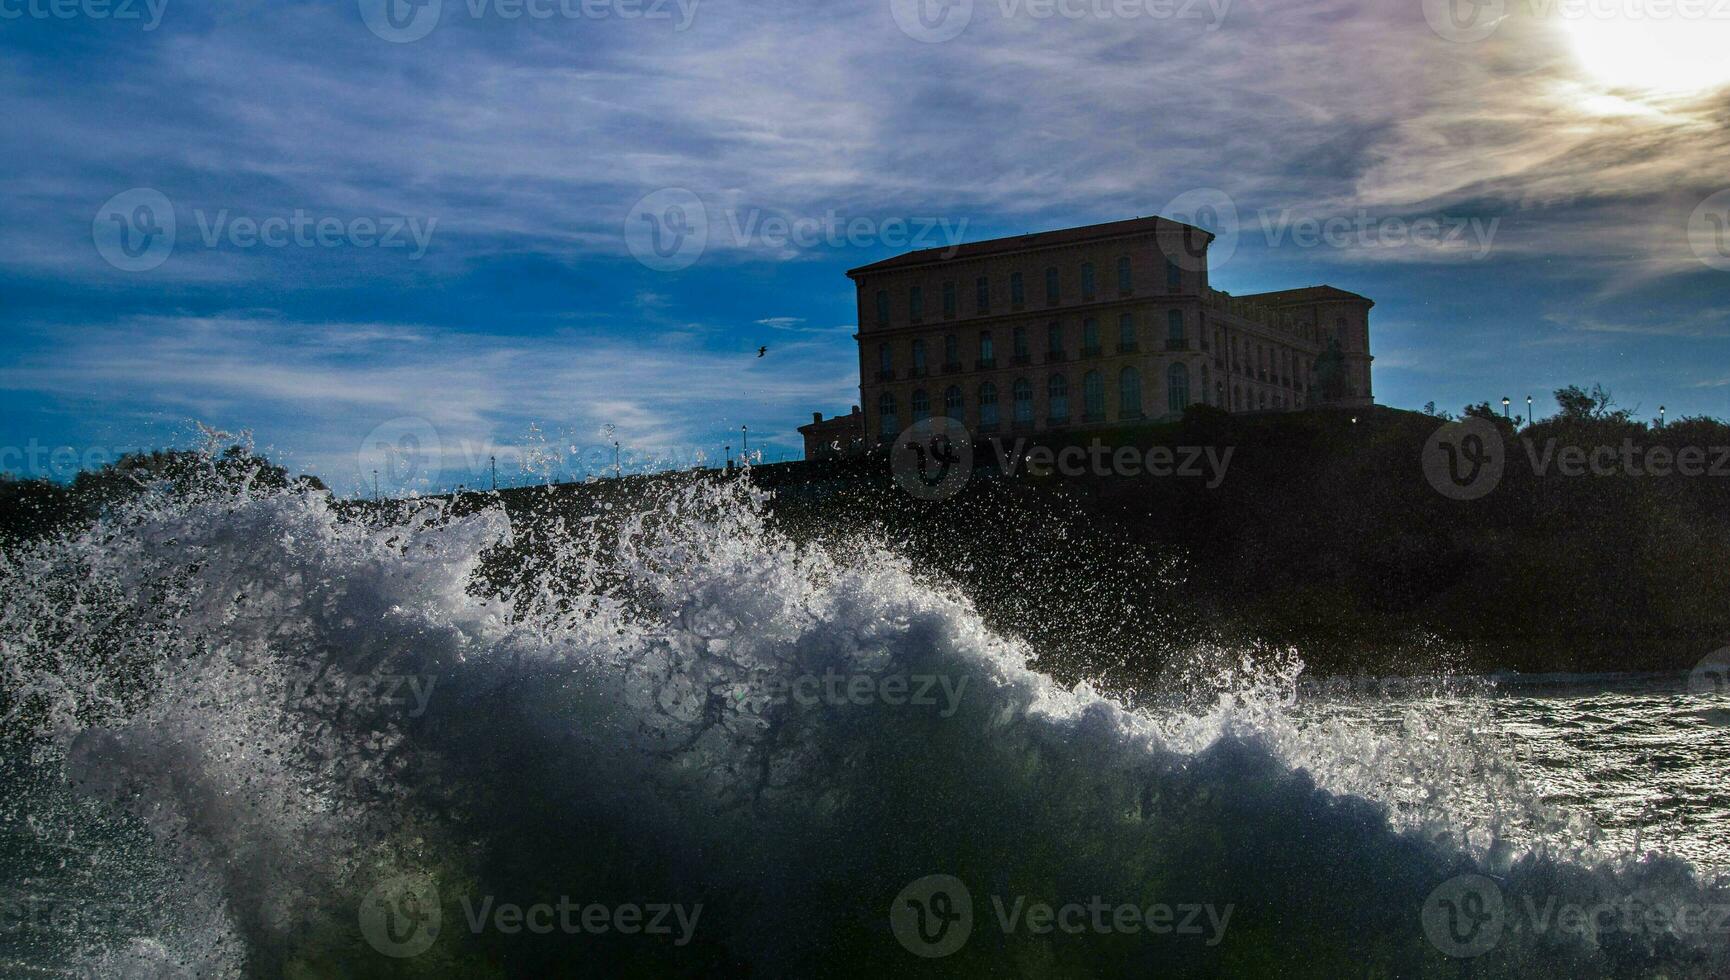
{"points": [[615, 459], [375, 486], [745, 452], [1528, 409], [1660, 416], [494, 461], [1506, 401]]}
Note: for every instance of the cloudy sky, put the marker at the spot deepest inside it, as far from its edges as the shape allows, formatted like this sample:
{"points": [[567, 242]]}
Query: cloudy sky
{"points": [[531, 228]]}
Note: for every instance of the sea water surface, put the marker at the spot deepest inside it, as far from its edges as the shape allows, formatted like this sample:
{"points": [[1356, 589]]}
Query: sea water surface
{"points": [[256, 733]]}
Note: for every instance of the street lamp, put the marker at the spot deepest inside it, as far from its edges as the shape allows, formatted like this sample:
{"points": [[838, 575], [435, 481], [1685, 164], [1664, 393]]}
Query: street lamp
{"points": [[1528, 409], [1660, 416], [745, 452], [615, 460], [1506, 401]]}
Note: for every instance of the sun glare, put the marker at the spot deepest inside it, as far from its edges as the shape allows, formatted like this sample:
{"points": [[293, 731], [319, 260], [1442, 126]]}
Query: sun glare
{"points": [[1627, 49]]}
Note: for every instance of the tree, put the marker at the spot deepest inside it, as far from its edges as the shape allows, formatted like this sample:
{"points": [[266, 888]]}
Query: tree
{"points": [[1579, 405]]}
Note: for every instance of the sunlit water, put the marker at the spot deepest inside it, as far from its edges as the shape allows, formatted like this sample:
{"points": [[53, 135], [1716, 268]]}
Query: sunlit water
{"points": [[194, 806]]}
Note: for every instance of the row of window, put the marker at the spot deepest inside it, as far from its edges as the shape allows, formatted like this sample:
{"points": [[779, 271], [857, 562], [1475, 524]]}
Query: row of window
{"points": [[1129, 404], [982, 292], [1175, 339]]}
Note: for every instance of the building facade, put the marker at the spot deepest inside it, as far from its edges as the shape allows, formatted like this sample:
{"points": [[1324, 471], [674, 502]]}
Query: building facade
{"points": [[1092, 327], [842, 435]]}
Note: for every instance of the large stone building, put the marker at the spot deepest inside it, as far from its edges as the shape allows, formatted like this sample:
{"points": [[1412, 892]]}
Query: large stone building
{"points": [[1093, 326]]}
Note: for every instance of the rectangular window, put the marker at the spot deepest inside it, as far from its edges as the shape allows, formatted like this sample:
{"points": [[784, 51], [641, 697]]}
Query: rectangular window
{"points": [[949, 300], [916, 304], [882, 307], [1087, 280], [1173, 275], [1051, 290], [1124, 283], [1017, 293], [982, 295]]}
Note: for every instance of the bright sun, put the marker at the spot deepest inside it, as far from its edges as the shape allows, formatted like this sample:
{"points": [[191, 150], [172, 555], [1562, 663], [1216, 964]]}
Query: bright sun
{"points": [[1673, 55]]}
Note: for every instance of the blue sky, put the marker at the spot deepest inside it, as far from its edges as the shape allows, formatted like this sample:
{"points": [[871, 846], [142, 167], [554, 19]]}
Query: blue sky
{"points": [[429, 226]]}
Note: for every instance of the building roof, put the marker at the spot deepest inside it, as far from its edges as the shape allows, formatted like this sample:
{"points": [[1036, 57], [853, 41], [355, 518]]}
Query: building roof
{"points": [[1307, 294], [1017, 243]]}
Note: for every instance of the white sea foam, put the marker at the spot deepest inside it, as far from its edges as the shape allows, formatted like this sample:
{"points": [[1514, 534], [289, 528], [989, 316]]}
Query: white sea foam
{"points": [[679, 705]]}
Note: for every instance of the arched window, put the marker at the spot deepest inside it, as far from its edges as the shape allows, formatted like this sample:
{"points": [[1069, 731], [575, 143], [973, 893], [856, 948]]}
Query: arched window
{"points": [[1129, 393], [918, 357], [1089, 337], [1175, 339], [953, 406], [1020, 341], [1057, 395], [951, 351], [1017, 292], [1051, 290], [921, 406], [1177, 387], [1093, 396], [1124, 283], [987, 353], [885, 360], [988, 405], [1023, 394], [1054, 338], [1125, 333], [882, 307], [888, 421], [1087, 285]]}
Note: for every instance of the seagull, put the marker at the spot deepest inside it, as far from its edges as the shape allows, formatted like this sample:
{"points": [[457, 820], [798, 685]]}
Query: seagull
{"points": [[761, 351]]}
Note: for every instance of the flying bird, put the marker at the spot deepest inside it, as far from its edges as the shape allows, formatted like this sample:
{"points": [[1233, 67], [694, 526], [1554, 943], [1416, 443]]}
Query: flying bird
{"points": [[761, 351]]}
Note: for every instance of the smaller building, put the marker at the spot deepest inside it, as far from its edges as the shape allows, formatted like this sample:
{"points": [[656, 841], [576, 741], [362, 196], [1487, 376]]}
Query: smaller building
{"points": [[842, 435]]}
